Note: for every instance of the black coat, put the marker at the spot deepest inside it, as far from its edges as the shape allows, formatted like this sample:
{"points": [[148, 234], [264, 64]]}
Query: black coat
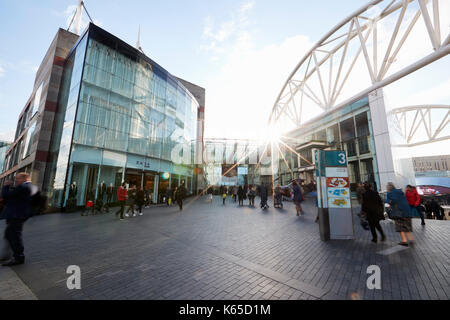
{"points": [[17, 201], [372, 205]]}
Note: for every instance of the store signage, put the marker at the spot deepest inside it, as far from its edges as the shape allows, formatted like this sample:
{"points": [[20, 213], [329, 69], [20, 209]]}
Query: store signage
{"points": [[143, 164], [338, 182], [336, 172]]}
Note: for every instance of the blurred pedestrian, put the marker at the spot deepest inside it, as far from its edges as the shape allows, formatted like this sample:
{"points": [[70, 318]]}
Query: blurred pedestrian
{"points": [[435, 209], [263, 193], [414, 201], [17, 209], [400, 211], [140, 199], [251, 196], [131, 201], [224, 194], [373, 208], [298, 197], [235, 193], [240, 194], [181, 194], [122, 194]]}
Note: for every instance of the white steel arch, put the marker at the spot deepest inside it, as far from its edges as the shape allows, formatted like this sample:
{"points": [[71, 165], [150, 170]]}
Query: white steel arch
{"points": [[366, 45], [421, 124]]}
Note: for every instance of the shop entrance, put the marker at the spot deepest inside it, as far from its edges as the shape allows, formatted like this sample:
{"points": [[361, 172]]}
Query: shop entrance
{"points": [[134, 178], [91, 181]]}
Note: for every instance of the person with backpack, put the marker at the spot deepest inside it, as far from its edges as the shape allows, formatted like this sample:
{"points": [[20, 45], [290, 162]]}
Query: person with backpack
{"points": [[373, 209], [18, 207]]}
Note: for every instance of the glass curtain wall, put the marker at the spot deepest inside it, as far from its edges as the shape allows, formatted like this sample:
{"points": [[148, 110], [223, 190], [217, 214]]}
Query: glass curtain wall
{"points": [[68, 101], [131, 114]]}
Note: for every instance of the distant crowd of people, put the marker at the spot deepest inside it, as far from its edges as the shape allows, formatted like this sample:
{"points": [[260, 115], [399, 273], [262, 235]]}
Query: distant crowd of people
{"points": [[294, 192], [135, 198]]}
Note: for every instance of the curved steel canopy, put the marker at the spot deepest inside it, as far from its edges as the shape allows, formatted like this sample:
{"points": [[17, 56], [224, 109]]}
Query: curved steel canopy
{"points": [[370, 31], [415, 122]]}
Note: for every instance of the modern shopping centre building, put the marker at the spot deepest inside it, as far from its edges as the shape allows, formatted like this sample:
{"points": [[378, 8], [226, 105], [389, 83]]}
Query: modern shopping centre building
{"points": [[101, 113]]}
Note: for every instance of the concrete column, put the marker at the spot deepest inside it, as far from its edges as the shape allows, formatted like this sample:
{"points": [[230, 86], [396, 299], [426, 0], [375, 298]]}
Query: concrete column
{"points": [[155, 189], [383, 151], [82, 187]]}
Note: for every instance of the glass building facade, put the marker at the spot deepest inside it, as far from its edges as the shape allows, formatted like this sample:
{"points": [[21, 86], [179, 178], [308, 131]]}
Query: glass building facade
{"points": [[124, 116], [349, 129]]}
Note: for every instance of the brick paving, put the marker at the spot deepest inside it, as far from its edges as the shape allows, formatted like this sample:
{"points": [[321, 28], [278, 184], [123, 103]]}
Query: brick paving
{"points": [[12, 287], [210, 251]]}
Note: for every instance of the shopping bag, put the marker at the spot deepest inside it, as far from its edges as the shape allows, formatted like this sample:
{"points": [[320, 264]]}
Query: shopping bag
{"points": [[170, 201]]}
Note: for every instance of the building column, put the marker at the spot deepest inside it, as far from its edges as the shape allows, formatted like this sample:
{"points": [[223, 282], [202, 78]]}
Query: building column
{"points": [[155, 189], [82, 188]]}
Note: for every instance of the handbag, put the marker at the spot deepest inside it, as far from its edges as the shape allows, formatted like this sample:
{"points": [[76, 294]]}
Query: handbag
{"points": [[394, 212]]}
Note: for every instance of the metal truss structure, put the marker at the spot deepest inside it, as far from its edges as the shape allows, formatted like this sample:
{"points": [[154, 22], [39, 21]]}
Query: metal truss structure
{"points": [[366, 51], [422, 124]]}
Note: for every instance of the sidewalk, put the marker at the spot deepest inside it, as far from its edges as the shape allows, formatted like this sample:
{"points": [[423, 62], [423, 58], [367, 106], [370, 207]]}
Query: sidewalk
{"points": [[12, 287]]}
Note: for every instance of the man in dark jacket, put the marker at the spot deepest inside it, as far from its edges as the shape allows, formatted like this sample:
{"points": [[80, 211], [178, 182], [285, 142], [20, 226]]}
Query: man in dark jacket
{"points": [[18, 208], [180, 195], [373, 207], [264, 195]]}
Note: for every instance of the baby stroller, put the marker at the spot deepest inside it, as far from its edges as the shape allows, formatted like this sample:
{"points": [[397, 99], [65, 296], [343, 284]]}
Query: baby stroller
{"points": [[278, 201]]}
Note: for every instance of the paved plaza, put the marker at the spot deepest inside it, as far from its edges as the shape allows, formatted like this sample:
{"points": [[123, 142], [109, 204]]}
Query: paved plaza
{"points": [[211, 251]]}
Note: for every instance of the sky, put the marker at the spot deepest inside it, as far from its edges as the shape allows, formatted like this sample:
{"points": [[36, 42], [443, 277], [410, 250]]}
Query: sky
{"points": [[240, 51]]}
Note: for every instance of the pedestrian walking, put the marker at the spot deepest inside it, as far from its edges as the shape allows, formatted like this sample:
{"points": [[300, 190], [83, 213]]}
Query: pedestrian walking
{"points": [[263, 193], [181, 194], [140, 199], [169, 196], [414, 201], [298, 197], [400, 212], [131, 201], [18, 207], [428, 210], [224, 194], [251, 196], [278, 201], [122, 194], [435, 209], [240, 194], [210, 194], [235, 193], [373, 209], [147, 198]]}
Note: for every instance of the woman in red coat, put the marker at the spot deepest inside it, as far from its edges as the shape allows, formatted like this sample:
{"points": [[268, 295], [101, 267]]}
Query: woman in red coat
{"points": [[122, 195], [414, 201]]}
